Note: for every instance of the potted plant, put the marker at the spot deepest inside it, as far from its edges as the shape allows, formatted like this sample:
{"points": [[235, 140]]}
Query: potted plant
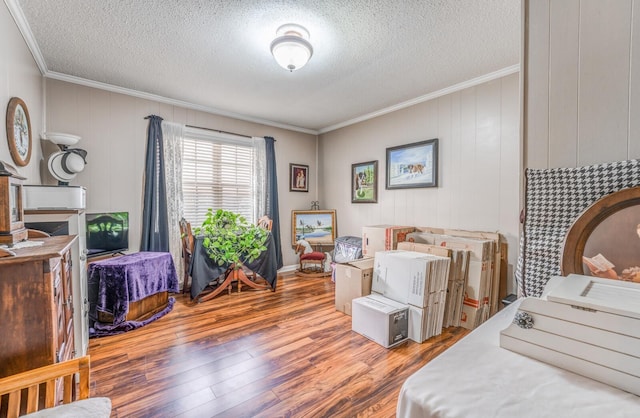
{"points": [[230, 239]]}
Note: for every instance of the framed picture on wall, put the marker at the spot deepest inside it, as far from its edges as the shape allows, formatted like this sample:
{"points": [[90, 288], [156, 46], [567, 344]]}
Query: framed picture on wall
{"points": [[413, 165], [298, 178], [364, 182]]}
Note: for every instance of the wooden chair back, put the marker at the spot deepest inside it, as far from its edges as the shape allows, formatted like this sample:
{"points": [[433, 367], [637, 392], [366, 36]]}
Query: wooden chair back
{"points": [[36, 233], [31, 380], [265, 222], [188, 243]]}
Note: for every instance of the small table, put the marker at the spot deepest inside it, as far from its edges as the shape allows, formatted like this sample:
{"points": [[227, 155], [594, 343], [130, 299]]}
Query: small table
{"points": [[203, 270], [131, 287]]}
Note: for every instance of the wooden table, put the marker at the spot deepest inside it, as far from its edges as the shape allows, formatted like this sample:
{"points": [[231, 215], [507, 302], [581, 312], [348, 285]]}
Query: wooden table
{"points": [[132, 287]]}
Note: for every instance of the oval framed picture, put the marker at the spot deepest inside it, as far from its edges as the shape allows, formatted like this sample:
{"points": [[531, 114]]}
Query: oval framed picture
{"points": [[19, 131], [605, 239]]}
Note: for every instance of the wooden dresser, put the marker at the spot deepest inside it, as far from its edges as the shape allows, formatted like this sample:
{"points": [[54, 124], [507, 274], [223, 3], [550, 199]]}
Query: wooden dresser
{"points": [[73, 220], [36, 306]]}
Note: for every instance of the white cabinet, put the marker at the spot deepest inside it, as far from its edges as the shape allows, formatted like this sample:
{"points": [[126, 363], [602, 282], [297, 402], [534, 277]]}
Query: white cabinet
{"points": [[74, 221]]}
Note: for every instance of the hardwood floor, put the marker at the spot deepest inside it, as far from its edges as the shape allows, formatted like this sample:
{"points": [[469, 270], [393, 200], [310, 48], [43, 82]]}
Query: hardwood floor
{"points": [[256, 353]]}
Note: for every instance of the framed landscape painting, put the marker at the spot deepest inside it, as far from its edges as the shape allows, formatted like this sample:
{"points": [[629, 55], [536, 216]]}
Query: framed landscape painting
{"points": [[364, 182], [317, 227], [413, 165]]}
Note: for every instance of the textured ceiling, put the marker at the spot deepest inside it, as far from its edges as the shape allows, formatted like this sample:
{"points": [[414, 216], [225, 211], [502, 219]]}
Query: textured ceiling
{"points": [[368, 54]]}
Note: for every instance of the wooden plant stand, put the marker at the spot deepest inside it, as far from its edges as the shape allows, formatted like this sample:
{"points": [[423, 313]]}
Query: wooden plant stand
{"points": [[233, 274]]}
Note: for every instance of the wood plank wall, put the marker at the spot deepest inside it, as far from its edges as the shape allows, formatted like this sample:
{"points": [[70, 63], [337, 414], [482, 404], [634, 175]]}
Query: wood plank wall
{"points": [[582, 82]]}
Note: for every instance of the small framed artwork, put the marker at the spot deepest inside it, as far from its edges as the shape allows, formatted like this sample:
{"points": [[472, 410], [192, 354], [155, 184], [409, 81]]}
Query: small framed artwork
{"points": [[413, 165], [298, 178], [364, 182], [317, 227]]}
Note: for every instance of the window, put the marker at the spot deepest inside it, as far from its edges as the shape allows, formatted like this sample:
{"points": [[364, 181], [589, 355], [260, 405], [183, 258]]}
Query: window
{"points": [[218, 172]]}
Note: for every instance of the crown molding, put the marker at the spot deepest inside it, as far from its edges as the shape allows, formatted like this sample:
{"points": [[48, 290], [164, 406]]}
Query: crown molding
{"points": [[154, 97], [430, 96], [25, 30]]}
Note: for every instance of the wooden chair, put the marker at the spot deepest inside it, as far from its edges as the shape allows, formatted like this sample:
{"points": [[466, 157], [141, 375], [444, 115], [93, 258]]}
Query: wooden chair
{"points": [[188, 243], [310, 262], [265, 222], [58, 382], [36, 233]]}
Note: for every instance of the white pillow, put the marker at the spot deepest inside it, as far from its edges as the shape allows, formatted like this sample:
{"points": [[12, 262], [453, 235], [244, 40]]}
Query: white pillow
{"points": [[91, 407]]}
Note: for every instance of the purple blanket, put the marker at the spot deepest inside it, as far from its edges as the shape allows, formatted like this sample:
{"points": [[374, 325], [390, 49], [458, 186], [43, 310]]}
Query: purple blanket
{"points": [[115, 282]]}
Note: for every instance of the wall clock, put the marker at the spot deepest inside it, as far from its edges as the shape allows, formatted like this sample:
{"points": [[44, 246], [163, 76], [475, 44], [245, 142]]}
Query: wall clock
{"points": [[19, 131]]}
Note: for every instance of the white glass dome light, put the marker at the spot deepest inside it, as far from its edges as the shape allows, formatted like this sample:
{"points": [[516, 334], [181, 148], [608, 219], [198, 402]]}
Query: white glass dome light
{"points": [[291, 48]]}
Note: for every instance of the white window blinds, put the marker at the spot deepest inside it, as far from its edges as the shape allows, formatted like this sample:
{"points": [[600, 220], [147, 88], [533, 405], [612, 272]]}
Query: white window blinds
{"points": [[218, 173]]}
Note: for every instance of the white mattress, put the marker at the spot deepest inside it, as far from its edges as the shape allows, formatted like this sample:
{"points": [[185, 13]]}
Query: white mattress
{"points": [[478, 378]]}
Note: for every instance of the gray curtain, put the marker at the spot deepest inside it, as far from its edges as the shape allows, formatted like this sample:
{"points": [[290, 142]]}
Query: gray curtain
{"points": [[272, 196], [155, 229]]}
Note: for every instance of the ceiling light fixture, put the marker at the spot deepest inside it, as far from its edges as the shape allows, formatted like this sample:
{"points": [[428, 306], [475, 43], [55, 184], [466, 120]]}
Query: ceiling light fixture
{"points": [[291, 48]]}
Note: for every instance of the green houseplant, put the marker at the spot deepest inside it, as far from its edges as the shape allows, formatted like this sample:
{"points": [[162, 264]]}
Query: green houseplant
{"points": [[229, 238]]}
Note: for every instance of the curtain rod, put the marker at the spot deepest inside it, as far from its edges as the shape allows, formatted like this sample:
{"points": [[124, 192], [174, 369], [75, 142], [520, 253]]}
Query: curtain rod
{"points": [[219, 131]]}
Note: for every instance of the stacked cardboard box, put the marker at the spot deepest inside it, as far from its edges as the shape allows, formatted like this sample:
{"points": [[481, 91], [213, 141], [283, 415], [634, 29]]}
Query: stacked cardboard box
{"points": [[418, 280], [382, 238], [476, 307], [457, 281], [499, 264], [353, 280]]}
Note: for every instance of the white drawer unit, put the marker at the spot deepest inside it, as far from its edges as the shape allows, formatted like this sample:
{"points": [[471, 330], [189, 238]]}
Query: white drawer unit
{"points": [[54, 197], [587, 325]]}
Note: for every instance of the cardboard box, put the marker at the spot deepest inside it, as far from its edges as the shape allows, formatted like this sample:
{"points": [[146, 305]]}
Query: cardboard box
{"points": [[418, 324], [458, 273], [380, 319], [475, 305], [353, 280], [478, 288], [499, 264], [408, 276], [426, 322], [424, 248], [480, 249], [472, 316], [499, 267], [382, 238]]}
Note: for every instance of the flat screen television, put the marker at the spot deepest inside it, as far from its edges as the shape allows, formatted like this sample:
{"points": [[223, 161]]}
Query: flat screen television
{"points": [[107, 233]]}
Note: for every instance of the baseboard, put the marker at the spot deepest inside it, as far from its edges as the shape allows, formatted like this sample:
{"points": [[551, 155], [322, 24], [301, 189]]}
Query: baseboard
{"points": [[290, 269]]}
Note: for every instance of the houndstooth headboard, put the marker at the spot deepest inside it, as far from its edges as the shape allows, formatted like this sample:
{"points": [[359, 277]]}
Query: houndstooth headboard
{"points": [[554, 199]]}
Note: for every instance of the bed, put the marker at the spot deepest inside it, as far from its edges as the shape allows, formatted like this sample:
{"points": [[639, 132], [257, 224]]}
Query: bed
{"points": [[478, 378]]}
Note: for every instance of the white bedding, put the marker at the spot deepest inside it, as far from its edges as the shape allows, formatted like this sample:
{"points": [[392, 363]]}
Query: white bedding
{"points": [[478, 378]]}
